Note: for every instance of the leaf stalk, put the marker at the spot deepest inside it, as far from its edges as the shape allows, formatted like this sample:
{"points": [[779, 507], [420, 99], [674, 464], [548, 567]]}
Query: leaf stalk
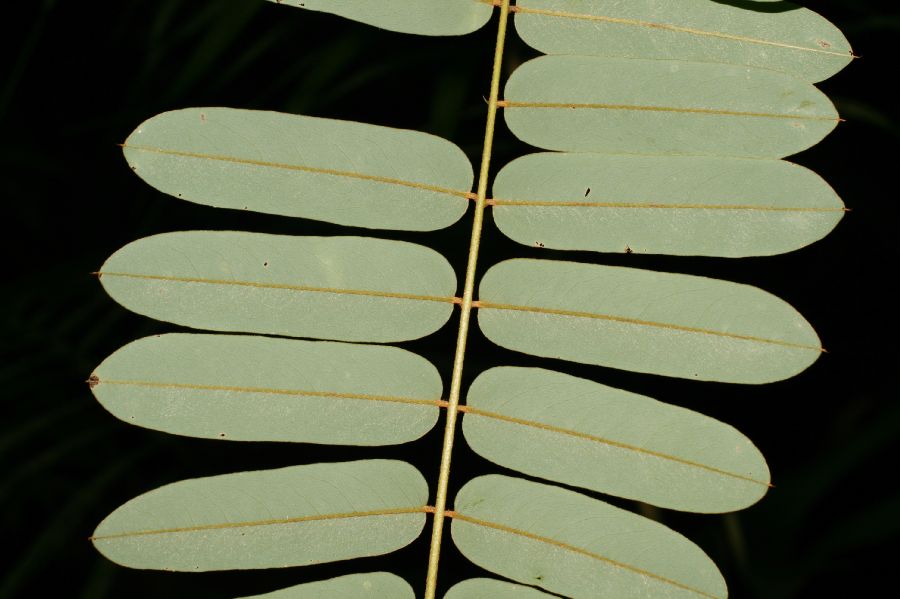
{"points": [[465, 312]]}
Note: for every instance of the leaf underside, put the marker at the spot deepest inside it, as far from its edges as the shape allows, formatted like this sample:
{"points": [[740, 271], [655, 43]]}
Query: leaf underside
{"points": [[683, 110], [635, 106], [373, 585], [552, 425], [269, 519], [681, 205], [570, 544], [282, 285], [244, 388], [343, 172], [790, 39], [423, 17], [660, 323]]}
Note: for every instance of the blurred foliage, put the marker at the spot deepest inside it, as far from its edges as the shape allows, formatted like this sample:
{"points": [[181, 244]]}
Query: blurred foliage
{"points": [[84, 75]]}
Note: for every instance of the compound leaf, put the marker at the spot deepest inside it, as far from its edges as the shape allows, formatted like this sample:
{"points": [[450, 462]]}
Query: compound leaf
{"points": [[682, 205], [373, 585], [581, 433], [570, 544], [660, 323], [636, 106], [269, 519], [785, 37], [345, 288], [244, 388], [424, 17], [342, 172]]}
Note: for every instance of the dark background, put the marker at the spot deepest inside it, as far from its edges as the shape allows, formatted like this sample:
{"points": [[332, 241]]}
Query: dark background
{"points": [[84, 75]]}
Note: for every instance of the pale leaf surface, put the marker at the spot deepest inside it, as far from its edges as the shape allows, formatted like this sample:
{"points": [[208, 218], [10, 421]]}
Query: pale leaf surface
{"points": [[784, 36], [488, 588], [373, 585], [646, 321], [342, 172], [585, 434], [636, 106], [423, 17], [344, 288], [680, 205], [576, 546], [269, 519], [244, 388]]}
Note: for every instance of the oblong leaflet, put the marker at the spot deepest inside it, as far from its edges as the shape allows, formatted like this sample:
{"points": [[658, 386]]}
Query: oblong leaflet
{"points": [[422, 17], [570, 544], [661, 323], [784, 37], [245, 388], [549, 424], [482, 588], [269, 519], [372, 585], [679, 205], [345, 288], [670, 107], [343, 172]]}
